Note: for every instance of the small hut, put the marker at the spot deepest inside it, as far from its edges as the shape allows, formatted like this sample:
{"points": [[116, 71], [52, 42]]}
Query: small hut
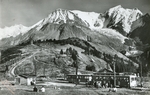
{"points": [[25, 79]]}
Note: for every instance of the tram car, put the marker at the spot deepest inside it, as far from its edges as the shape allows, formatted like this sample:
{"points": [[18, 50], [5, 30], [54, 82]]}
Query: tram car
{"points": [[71, 78], [126, 81]]}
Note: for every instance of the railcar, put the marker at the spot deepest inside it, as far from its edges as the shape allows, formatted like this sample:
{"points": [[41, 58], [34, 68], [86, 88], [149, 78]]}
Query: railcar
{"points": [[121, 80], [126, 81], [80, 78]]}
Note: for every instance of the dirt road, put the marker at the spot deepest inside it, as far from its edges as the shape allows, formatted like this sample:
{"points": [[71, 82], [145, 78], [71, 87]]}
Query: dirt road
{"points": [[15, 65]]}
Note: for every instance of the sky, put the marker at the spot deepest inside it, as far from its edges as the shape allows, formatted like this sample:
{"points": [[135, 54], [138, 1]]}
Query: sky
{"points": [[29, 12]]}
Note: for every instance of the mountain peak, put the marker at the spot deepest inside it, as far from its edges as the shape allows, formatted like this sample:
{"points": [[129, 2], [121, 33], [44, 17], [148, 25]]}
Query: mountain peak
{"points": [[121, 17], [117, 7], [60, 9], [147, 15]]}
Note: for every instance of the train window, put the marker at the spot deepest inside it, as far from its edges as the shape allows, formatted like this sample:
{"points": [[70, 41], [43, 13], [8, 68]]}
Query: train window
{"points": [[127, 80], [96, 77], [132, 79]]}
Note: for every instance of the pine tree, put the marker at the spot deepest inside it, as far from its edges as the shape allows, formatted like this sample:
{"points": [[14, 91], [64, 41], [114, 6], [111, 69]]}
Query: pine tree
{"points": [[74, 56]]}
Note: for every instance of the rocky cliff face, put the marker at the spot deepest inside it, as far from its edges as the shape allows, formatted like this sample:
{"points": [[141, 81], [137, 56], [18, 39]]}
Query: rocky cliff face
{"points": [[141, 29]]}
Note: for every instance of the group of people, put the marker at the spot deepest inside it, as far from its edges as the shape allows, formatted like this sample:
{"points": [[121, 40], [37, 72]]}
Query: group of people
{"points": [[100, 84], [35, 89], [104, 84], [33, 82]]}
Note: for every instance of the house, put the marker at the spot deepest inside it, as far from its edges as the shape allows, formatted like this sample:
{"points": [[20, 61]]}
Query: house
{"points": [[25, 79], [104, 72]]}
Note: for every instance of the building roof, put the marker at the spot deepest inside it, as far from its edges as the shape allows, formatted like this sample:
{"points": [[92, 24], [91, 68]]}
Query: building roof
{"points": [[105, 71], [27, 76]]}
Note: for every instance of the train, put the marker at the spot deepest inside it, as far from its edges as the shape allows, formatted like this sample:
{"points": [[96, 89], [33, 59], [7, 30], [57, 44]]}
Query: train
{"points": [[126, 81]]}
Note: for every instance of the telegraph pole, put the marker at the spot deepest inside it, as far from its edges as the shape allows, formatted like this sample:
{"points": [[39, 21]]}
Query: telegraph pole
{"points": [[44, 69], [114, 74], [141, 74], [35, 71], [141, 70], [114, 66]]}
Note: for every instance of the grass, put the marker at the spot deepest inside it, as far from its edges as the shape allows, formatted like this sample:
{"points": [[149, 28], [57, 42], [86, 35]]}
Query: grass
{"points": [[76, 91]]}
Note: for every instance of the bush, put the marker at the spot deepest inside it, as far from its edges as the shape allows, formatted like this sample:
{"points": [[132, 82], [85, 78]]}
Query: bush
{"points": [[61, 51], [90, 67]]}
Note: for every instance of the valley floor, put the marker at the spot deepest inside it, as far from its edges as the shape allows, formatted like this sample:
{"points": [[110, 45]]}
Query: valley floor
{"points": [[64, 88]]}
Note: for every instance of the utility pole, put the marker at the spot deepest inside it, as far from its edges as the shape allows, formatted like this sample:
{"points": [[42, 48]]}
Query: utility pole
{"points": [[76, 74], [141, 69], [140, 63], [35, 68], [114, 66], [141, 74], [44, 69], [114, 74]]}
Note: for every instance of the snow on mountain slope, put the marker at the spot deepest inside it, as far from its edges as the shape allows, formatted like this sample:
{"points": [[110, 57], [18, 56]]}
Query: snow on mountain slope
{"points": [[124, 16], [13, 31], [79, 19], [118, 16], [91, 20], [59, 16], [112, 34], [95, 20]]}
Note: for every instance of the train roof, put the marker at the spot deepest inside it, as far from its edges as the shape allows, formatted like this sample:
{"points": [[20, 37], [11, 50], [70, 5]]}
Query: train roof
{"points": [[80, 74]]}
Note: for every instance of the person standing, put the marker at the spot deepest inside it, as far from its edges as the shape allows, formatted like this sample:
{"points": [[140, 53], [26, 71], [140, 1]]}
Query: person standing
{"points": [[42, 89], [90, 80], [35, 89]]}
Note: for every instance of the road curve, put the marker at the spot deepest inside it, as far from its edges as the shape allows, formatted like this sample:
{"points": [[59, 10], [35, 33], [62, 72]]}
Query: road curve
{"points": [[15, 65]]}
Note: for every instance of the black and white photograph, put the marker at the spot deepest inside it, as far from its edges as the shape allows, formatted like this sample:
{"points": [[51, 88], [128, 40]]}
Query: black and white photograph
{"points": [[74, 47]]}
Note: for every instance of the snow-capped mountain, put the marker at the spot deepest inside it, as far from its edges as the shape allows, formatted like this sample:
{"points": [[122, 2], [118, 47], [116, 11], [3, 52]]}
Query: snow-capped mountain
{"points": [[122, 19], [92, 20], [63, 24], [117, 18], [59, 16], [13, 31]]}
